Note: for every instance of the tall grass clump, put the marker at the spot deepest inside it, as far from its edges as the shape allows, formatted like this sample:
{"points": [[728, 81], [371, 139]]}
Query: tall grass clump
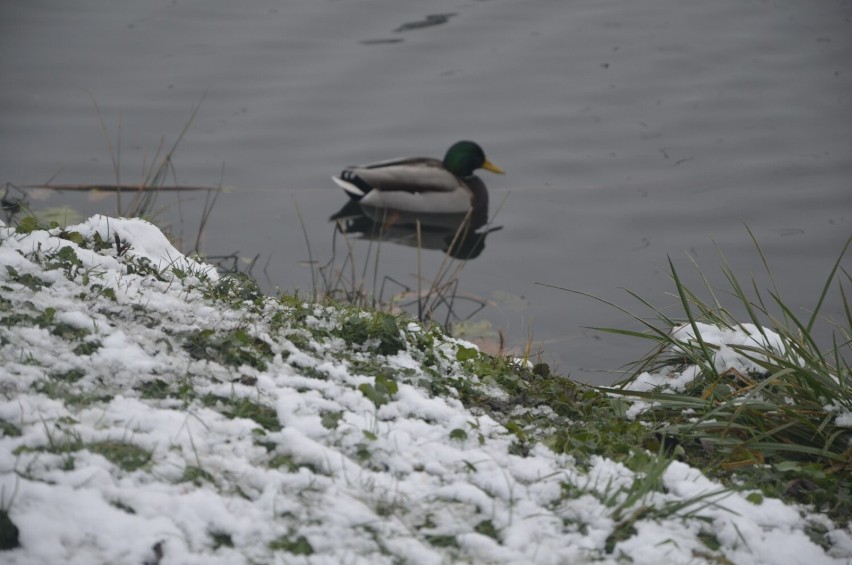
{"points": [[156, 174], [760, 401], [435, 298], [154, 178]]}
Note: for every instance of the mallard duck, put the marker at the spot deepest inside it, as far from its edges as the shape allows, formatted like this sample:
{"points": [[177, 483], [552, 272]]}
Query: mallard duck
{"points": [[422, 185]]}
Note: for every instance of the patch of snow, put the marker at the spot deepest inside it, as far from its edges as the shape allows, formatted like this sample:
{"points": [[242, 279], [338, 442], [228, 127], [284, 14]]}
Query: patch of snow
{"points": [[146, 241], [138, 438], [726, 340]]}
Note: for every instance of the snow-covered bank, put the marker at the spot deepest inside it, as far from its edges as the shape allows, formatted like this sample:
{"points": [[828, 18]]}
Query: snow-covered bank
{"points": [[153, 414]]}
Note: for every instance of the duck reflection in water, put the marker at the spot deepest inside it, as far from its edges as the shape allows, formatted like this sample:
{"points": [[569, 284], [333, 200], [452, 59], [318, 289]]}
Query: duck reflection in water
{"points": [[389, 199]]}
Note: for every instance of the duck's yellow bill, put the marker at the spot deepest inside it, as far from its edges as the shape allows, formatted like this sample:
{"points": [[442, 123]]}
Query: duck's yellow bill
{"points": [[489, 166]]}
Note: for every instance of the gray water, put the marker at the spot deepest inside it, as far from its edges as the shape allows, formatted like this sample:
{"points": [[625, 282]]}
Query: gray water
{"points": [[630, 132]]}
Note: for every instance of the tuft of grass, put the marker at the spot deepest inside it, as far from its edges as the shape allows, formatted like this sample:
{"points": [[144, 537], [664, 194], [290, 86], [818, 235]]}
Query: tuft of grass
{"points": [[297, 546], [343, 279], [235, 347], [8, 429], [28, 280], [439, 540], [157, 171], [127, 456], [63, 440], [154, 177], [382, 392], [774, 426], [70, 376], [233, 407], [486, 528], [331, 419], [157, 389], [221, 539], [378, 331], [196, 476]]}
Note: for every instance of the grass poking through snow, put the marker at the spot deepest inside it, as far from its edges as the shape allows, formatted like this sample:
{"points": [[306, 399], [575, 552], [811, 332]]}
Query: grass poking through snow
{"points": [[766, 410]]}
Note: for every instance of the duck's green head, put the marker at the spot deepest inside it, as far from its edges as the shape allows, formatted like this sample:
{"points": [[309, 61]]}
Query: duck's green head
{"points": [[464, 157]]}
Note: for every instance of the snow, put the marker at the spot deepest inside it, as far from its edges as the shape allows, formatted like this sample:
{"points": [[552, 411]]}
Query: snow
{"points": [[726, 357], [732, 350], [323, 474]]}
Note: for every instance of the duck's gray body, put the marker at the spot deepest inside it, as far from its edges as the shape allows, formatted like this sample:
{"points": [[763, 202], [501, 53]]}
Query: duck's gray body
{"points": [[421, 185], [412, 184]]}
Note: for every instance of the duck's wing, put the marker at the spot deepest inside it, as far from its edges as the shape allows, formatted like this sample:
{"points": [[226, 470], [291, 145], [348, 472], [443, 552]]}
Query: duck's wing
{"points": [[403, 162], [413, 175]]}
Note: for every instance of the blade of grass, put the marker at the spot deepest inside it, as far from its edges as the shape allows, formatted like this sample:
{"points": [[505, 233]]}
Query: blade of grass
{"points": [[827, 285], [692, 322]]}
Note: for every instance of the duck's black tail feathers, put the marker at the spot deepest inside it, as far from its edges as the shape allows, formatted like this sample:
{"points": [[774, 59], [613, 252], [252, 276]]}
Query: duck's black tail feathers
{"points": [[352, 184]]}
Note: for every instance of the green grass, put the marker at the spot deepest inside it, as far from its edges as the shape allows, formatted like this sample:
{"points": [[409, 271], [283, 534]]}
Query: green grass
{"points": [[127, 456], [772, 428], [295, 545], [234, 407], [196, 475], [378, 330], [233, 347]]}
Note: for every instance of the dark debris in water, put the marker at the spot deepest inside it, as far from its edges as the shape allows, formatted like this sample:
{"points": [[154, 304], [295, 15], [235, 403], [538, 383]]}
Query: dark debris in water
{"points": [[428, 21], [382, 41]]}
